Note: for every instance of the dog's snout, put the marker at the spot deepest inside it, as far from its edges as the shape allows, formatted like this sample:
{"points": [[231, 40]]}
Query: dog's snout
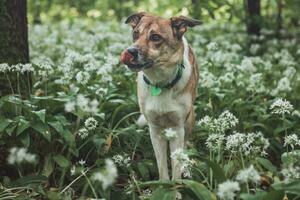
{"points": [[134, 52]]}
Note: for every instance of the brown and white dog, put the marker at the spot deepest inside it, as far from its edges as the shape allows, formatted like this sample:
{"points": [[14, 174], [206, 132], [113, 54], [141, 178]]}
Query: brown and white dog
{"points": [[167, 81]]}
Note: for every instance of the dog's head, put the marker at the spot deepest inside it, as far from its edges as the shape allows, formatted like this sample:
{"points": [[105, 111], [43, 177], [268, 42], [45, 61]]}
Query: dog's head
{"points": [[157, 42]]}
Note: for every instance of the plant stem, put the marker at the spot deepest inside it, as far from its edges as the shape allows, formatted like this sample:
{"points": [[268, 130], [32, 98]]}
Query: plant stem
{"points": [[90, 184]]}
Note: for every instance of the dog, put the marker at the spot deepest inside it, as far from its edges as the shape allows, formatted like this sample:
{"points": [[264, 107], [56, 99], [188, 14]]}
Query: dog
{"points": [[166, 82]]}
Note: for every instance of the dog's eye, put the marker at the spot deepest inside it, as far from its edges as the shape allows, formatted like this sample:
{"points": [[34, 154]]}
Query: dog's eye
{"points": [[155, 38], [135, 35]]}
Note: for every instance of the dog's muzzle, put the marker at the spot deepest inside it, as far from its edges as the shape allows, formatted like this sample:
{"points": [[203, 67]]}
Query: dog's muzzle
{"points": [[131, 58]]}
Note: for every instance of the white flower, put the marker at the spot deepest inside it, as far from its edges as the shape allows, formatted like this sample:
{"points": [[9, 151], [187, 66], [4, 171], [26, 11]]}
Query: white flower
{"points": [[26, 68], [179, 155], [70, 106], [281, 107], [4, 67], [73, 170], [91, 123], [215, 141], [249, 174], [290, 173], [146, 194], [292, 140], [20, 155], [83, 133], [227, 190], [247, 65], [81, 162], [213, 46], [83, 77], [122, 160], [170, 134], [108, 176]]}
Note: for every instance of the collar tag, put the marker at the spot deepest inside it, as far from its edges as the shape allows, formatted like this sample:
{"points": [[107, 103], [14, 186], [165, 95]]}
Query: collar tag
{"points": [[155, 91]]}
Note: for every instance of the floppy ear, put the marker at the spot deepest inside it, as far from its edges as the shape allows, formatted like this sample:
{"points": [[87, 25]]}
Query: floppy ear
{"points": [[134, 19], [180, 24]]}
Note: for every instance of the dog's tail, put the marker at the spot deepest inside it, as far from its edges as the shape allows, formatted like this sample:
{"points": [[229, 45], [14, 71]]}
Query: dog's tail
{"points": [[142, 121]]}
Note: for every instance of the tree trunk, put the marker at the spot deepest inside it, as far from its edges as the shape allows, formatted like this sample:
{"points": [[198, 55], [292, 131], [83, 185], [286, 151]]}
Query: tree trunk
{"points": [[13, 45], [279, 17], [253, 18]]}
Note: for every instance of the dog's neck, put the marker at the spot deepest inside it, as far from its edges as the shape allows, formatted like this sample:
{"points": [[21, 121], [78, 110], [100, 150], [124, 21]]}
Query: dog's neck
{"points": [[163, 75]]}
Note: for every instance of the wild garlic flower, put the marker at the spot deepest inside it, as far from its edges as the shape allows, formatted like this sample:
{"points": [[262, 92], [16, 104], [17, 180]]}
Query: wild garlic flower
{"points": [[281, 107], [81, 162], [223, 123], [290, 173], [108, 175], [146, 194], [213, 46], [83, 133], [83, 77], [170, 134], [20, 155], [249, 174], [70, 106], [122, 160], [4, 67], [228, 189], [248, 144], [215, 141], [91, 123], [291, 140], [180, 155]]}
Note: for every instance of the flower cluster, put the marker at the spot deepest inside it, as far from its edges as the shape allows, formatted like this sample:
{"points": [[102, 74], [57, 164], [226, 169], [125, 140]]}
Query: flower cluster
{"points": [[228, 189], [122, 160], [91, 123], [291, 140], [108, 176], [220, 125], [170, 134], [20, 155], [249, 174], [22, 68], [249, 144], [281, 107]]}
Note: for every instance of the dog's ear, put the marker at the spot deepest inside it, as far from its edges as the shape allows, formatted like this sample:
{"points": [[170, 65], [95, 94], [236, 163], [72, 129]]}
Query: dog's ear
{"points": [[180, 24], [134, 19]]}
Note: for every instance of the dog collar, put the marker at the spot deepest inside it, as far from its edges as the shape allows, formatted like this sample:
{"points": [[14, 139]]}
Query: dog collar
{"points": [[155, 90]]}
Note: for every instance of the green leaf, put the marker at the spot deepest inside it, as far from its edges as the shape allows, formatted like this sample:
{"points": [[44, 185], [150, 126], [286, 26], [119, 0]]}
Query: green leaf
{"points": [[41, 114], [199, 190], [292, 187], [25, 181], [4, 123], [25, 139], [274, 195], [66, 134], [266, 164], [42, 129], [61, 161], [163, 194], [10, 129], [218, 172], [258, 196], [22, 126], [48, 166]]}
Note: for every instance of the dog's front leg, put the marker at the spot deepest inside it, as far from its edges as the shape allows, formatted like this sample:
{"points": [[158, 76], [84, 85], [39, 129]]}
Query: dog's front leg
{"points": [[160, 149], [177, 143]]}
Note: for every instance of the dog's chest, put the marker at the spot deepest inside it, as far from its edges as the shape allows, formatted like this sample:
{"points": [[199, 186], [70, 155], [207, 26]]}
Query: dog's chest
{"points": [[166, 109]]}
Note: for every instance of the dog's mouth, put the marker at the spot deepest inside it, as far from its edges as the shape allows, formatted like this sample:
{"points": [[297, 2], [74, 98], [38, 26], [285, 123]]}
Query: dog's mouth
{"points": [[134, 63]]}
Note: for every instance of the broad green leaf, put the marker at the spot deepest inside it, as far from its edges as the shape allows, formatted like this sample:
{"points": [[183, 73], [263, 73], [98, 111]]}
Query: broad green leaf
{"points": [[293, 187], [61, 161], [199, 190], [218, 172], [258, 196], [41, 114], [4, 123], [10, 129], [274, 195], [266, 164], [163, 194], [42, 129], [66, 134], [25, 139], [22, 126], [48, 166]]}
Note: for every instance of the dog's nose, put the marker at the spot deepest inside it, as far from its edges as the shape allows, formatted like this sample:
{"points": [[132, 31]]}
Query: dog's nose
{"points": [[133, 51]]}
